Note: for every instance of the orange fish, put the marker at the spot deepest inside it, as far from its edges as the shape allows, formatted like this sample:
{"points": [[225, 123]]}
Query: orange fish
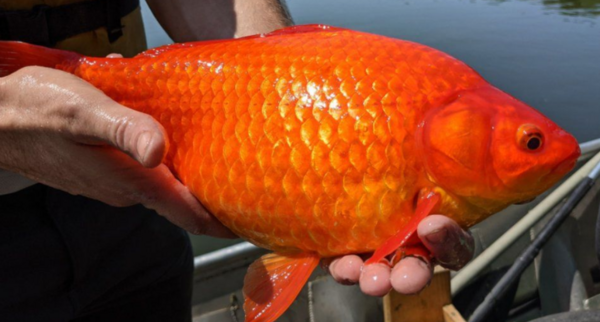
{"points": [[315, 141]]}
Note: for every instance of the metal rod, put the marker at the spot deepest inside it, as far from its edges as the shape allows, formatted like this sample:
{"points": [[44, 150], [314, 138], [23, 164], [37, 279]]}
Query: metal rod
{"points": [[529, 254], [590, 146], [221, 254]]}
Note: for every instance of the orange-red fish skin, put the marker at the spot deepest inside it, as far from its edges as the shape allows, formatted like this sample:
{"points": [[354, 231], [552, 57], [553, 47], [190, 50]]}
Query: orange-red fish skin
{"points": [[300, 140]]}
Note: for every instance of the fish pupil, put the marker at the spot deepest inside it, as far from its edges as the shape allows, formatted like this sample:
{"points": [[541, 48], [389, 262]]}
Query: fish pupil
{"points": [[534, 143]]}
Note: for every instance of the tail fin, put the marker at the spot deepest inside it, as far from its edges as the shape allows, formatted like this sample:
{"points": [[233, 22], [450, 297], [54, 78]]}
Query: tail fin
{"points": [[15, 55], [273, 282]]}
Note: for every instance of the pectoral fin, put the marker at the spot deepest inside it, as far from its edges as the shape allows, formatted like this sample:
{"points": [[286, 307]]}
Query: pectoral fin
{"points": [[424, 209], [273, 282]]}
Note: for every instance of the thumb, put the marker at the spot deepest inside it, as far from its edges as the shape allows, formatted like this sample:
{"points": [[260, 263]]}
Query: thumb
{"points": [[137, 134]]}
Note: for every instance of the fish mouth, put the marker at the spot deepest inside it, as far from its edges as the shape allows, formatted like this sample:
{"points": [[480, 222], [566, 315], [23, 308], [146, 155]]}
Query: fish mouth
{"points": [[567, 164], [560, 170], [554, 175]]}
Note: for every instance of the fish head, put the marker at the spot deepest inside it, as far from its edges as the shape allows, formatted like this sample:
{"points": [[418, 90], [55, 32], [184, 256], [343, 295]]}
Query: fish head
{"points": [[493, 150]]}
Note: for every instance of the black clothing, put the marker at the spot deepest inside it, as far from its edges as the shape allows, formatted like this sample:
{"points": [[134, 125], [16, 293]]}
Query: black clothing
{"points": [[70, 258], [45, 25]]}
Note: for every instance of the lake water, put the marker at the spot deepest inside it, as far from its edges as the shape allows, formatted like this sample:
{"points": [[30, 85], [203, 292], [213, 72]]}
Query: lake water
{"points": [[544, 52]]}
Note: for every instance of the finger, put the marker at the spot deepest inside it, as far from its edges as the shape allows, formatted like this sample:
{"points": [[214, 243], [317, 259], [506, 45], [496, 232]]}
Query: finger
{"points": [[346, 269], [124, 182], [375, 279], [410, 275], [175, 202], [114, 56], [447, 241]]}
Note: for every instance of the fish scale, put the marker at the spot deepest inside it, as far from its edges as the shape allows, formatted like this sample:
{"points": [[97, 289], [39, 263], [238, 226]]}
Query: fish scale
{"points": [[321, 138]]}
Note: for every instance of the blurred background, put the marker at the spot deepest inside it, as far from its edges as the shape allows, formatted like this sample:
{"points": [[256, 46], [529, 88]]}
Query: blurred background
{"points": [[544, 52]]}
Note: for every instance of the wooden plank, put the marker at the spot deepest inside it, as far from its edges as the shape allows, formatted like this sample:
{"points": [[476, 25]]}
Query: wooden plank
{"points": [[387, 312], [423, 307], [451, 314]]}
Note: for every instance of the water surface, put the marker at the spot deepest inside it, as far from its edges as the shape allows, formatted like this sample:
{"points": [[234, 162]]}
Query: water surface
{"points": [[544, 52]]}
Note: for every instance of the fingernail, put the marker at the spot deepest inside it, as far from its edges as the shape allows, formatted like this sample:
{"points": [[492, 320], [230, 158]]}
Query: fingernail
{"points": [[143, 145], [424, 264], [437, 236], [328, 265]]}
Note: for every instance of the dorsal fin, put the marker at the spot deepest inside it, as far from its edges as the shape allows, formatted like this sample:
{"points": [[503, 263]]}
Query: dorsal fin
{"points": [[162, 49], [302, 29], [273, 282], [279, 32]]}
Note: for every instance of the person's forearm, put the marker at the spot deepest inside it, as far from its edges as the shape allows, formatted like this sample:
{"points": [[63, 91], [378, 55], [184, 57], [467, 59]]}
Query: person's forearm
{"points": [[190, 20]]}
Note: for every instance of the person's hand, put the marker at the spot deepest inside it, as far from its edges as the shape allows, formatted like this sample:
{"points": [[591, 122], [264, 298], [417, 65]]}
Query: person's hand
{"points": [[451, 246], [59, 130]]}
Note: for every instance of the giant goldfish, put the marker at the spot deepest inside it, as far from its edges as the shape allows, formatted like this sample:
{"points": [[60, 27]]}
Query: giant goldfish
{"points": [[316, 141]]}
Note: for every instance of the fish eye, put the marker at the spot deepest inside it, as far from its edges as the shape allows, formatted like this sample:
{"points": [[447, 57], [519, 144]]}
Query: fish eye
{"points": [[534, 143], [530, 137]]}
